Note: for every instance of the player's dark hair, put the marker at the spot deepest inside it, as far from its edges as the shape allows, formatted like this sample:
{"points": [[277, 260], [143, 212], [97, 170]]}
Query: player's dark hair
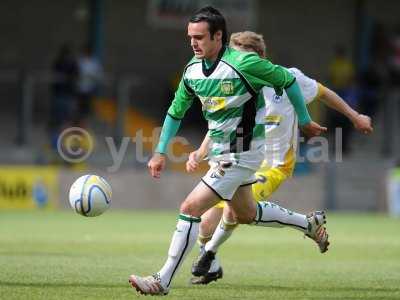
{"points": [[214, 19]]}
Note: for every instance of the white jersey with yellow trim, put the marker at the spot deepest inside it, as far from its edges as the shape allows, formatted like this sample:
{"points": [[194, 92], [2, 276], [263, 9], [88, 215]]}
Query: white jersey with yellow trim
{"points": [[281, 128]]}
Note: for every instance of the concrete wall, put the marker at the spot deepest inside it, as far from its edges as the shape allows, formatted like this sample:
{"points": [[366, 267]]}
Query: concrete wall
{"points": [[32, 31], [135, 189], [304, 33], [301, 32], [385, 12]]}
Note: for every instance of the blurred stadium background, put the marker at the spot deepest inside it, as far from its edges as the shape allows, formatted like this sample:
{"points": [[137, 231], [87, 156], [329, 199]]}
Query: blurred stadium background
{"points": [[140, 49], [137, 50]]}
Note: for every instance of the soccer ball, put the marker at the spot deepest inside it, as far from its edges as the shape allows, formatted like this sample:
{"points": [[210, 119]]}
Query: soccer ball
{"points": [[90, 195]]}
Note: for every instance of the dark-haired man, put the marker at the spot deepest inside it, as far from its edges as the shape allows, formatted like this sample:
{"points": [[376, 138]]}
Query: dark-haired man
{"points": [[227, 82]]}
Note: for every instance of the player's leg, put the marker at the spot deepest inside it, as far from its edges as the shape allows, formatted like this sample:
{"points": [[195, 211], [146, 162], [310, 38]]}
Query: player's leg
{"points": [[221, 181], [242, 212], [266, 214], [209, 221], [269, 214], [208, 263], [196, 203], [269, 180], [223, 231], [224, 178]]}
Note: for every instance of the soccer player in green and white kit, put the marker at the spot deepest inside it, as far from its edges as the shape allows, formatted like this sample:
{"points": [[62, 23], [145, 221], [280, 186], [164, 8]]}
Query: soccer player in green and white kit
{"points": [[281, 141], [227, 82]]}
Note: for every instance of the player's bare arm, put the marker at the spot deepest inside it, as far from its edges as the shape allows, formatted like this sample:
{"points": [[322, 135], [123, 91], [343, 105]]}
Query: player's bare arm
{"points": [[361, 122], [156, 165], [313, 129], [198, 155]]}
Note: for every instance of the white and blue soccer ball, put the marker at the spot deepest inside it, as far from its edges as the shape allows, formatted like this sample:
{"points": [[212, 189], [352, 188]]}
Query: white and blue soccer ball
{"points": [[90, 195]]}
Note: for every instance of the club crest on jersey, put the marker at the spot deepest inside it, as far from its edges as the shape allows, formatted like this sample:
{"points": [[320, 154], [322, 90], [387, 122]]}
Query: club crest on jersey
{"points": [[276, 98], [227, 87]]}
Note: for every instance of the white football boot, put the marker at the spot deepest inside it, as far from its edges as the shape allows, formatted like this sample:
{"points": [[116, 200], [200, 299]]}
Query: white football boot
{"points": [[316, 230], [150, 285]]}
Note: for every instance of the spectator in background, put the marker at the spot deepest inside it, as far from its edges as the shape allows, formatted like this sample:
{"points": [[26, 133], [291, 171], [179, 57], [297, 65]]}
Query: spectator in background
{"points": [[394, 90], [394, 59], [63, 89], [90, 78], [374, 73], [341, 71], [370, 83], [342, 79]]}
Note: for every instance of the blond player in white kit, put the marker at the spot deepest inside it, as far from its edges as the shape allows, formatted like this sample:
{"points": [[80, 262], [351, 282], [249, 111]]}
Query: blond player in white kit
{"points": [[281, 127]]}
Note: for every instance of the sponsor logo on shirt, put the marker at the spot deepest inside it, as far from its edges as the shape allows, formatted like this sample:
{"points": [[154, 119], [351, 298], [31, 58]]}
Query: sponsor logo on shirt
{"points": [[213, 103], [273, 120]]}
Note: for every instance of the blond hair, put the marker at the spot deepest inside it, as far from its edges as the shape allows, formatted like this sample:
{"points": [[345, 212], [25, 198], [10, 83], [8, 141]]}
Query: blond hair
{"points": [[248, 41]]}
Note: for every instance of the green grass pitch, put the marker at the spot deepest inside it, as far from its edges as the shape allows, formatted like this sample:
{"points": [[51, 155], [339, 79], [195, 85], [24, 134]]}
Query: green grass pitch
{"points": [[61, 255]]}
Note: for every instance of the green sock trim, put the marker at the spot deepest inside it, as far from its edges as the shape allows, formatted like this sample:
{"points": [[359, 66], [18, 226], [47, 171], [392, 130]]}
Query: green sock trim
{"points": [[259, 213], [189, 218]]}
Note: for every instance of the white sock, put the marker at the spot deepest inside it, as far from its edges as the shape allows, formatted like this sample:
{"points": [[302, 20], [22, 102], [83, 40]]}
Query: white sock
{"points": [[221, 234], [182, 242], [215, 265], [202, 241], [272, 215], [201, 249]]}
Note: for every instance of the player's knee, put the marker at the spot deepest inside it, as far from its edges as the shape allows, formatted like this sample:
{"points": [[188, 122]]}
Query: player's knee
{"points": [[190, 209], [245, 218]]}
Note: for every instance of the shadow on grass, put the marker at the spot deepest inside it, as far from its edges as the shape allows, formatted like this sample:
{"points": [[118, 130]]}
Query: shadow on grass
{"points": [[330, 289], [61, 284], [238, 290], [39, 254]]}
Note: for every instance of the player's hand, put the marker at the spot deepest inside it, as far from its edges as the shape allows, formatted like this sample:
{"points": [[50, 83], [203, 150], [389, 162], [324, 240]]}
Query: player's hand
{"points": [[313, 129], [363, 124], [193, 161], [156, 165]]}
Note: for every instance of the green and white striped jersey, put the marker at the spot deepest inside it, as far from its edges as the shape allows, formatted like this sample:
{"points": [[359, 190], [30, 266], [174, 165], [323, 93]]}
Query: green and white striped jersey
{"points": [[229, 91]]}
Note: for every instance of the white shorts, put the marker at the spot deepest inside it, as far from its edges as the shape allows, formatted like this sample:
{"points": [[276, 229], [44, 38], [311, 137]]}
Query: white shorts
{"points": [[225, 177]]}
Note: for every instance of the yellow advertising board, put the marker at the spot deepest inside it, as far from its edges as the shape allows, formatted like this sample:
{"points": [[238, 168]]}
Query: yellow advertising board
{"points": [[28, 187]]}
